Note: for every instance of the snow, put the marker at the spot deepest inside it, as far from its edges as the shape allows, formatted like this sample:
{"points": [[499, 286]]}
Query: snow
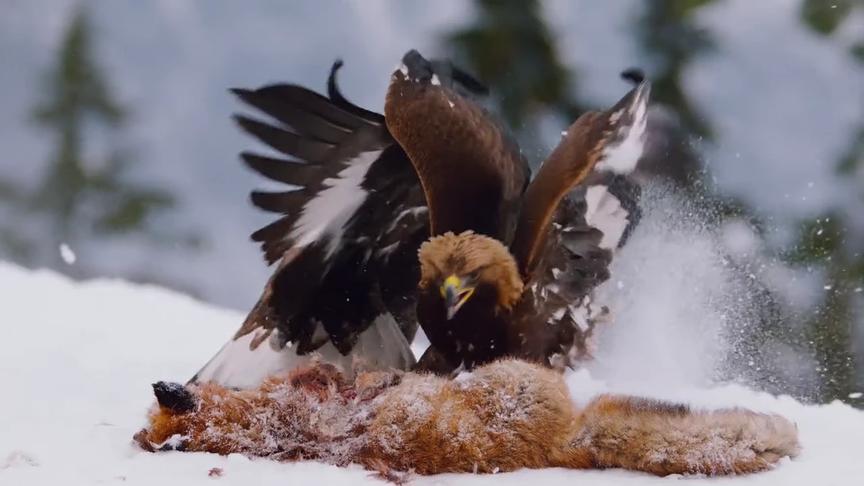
{"points": [[67, 254], [77, 360]]}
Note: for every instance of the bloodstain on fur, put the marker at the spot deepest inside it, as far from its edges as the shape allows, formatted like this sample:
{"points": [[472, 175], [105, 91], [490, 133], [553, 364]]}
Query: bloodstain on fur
{"points": [[504, 416]]}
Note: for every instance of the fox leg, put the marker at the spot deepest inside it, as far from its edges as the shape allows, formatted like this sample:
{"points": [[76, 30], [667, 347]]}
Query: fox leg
{"points": [[664, 438]]}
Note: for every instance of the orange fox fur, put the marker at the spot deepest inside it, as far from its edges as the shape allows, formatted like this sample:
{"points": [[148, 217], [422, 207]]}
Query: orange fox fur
{"points": [[504, 416]]}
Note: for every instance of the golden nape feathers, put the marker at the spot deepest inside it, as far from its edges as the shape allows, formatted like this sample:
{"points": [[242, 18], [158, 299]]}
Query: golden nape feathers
{"points": [[485, 260], [504, 416]]}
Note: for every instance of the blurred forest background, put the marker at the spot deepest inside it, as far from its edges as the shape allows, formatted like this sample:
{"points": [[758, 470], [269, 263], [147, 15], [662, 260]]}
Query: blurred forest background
{"points": [[118, 147]]}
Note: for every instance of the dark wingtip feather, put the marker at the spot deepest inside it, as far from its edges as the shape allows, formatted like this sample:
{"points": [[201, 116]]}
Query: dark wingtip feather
{"points": [[339, 99], [282, 170], [634, 75], [337, 65], [332, 85], [287, 202], [287, 142], [174, 397]]}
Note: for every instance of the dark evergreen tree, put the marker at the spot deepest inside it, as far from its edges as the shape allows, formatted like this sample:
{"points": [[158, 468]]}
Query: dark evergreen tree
{"points": [[667, 34], [509, 46], [80, 196], [829, 245]]}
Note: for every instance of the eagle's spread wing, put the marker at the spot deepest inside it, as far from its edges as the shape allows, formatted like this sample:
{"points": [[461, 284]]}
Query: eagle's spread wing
{"points": [[345, 244], [580, 208], [471, 171]]}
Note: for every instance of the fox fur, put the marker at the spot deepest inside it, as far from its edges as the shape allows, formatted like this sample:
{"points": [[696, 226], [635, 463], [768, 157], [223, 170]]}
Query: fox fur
{"points": [[503, 416]]}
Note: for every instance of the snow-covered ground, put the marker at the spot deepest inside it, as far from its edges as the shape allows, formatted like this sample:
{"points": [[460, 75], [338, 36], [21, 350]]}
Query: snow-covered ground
{"points": [[77, 360]]}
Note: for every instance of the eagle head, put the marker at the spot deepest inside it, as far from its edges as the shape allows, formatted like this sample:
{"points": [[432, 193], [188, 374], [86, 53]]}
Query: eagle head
{"points": [[455, 265]]}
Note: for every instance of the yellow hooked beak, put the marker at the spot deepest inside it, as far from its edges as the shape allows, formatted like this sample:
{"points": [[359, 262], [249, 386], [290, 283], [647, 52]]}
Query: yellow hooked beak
{"points": [[455, 292]]}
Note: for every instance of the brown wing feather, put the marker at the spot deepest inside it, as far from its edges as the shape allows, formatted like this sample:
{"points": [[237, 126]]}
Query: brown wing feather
{"points": [[346, 242], [593, 138], [568, 165], [471, 173]]}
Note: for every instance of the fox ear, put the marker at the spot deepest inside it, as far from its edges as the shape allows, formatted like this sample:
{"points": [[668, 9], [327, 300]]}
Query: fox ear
{"points": [[174, 397]]}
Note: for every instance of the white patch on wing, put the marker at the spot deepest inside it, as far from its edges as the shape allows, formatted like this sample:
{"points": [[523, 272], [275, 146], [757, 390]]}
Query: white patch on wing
{"points": [[435, 81], [581, 314], [333, 206], [380, 347], [604, 212], [624, 149], [557, 315]]}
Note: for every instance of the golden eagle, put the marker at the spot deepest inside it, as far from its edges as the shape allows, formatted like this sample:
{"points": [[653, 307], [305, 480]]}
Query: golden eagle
{"points": [[428, 215]]}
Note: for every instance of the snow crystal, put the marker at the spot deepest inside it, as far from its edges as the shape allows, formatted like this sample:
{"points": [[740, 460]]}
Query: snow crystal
{"points": [[67, 254], [739, 237], [17, 459], [102, 379]]}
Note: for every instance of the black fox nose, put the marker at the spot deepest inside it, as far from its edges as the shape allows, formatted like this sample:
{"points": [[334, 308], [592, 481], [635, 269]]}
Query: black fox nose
{"points": [[174, 397]]}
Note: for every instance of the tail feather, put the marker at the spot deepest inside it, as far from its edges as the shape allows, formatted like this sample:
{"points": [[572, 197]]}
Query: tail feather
{"points": [[246, 361]]}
